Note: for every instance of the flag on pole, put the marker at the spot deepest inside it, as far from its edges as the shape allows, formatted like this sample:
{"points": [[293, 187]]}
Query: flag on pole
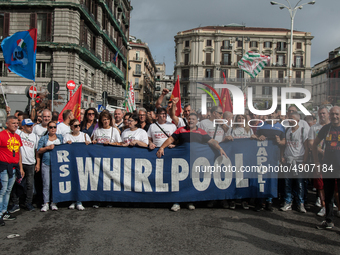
{"points": [[177, 93], [20, 52], [252, 63], [73, 104], [130, 103], [115, 57], [226, 100]]}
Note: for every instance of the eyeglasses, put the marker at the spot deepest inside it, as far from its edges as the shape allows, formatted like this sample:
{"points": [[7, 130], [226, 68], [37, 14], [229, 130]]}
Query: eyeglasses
{"points": [[52, 127], [220, 113], [141, 115], [90, 113], [76, 126]]}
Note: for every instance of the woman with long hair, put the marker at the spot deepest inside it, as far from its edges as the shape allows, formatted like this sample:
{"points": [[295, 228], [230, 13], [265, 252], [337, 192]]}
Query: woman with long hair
{"points": [[106, 132], [134, 135], [90, 121], [45, 145], [76, 136]]}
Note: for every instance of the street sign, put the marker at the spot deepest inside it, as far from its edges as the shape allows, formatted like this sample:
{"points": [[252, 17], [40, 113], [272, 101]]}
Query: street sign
{"points": [[71, 85], [33, 92], [55, 87], [101, 108]]}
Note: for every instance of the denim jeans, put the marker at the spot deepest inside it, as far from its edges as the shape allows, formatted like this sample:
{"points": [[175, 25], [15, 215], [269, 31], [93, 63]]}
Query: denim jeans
{"points": [[298, 184], [7, 184], [46, 179]]}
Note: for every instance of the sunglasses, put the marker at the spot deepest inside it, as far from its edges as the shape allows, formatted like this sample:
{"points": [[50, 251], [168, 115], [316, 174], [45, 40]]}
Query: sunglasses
{"points": [[90, 113], [76, 126], [52, 127], [220, 113]]}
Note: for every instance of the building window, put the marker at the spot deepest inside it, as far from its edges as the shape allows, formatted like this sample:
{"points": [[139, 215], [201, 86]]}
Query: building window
{"points": [[253, 44], [267, 44], [3, 69], [226, 44], [298, 60], [137, 55], [238, 58], [137, 81], [187, 44], [208, 58], [186, 59], [4, 25], [209, 43], [43, 23], [225, 72], [281, 46], [239, 43], [267, 75], [266, 90], [209, 73], [298, 46], [86, 77], [281, 59], [280, 75], [185, 74], [138, 69], [225, 59], [92, 80], [43, 69], [239, 74]]}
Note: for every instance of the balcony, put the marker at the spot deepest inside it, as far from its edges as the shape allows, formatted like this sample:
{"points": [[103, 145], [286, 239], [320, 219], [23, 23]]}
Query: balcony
{"points": [[298, 66], [185, 79], [137, 59], [225, 63], [137, 86], [137, 73], [226, 48], [281, 50]]}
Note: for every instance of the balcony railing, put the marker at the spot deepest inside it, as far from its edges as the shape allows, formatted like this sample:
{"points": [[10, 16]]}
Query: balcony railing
{"points": [[225, 63], [281, 49], [137, 59], [137, 73], [227, 47]]}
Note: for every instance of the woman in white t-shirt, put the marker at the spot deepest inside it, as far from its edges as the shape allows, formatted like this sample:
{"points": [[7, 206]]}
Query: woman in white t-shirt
{"points": [[76, 136], [239, 131], [134, 135], [106, 132]]}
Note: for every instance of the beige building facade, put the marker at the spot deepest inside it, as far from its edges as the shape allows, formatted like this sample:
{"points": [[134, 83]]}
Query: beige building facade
{"points": [[142, 74], [77, 40], [203, 54], [320, 83]]}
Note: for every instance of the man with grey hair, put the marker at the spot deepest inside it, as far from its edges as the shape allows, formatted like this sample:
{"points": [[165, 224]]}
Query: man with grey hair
{"points": [[118, 116], [295, 153], [40, 129], [144, 124], [10, 165], [330, 134]]}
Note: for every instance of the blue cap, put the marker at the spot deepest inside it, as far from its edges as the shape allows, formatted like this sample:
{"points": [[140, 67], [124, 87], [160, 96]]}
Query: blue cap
{"points": [[27, 122]]}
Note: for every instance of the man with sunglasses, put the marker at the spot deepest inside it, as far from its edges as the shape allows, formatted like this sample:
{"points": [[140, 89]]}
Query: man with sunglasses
{"points": [[295, 154], [29, 157], [207, 125]]}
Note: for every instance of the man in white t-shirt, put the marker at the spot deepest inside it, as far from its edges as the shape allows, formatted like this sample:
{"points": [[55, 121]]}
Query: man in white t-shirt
{"points": [[64, 127], [207, 125], [296, 153], [155, 133], [28, 156], [40, 129]]}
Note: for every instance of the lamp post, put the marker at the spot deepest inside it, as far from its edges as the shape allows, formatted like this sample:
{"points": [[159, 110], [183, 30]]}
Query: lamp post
{"points": [[292, 11], [247, 39]]}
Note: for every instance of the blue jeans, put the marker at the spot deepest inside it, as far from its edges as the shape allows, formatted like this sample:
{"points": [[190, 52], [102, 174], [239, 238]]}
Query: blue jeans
{"points": [[299, 189], [7, 184]]}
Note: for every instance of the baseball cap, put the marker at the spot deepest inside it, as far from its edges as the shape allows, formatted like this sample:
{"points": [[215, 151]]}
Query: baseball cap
{"points": [[27, 122]]}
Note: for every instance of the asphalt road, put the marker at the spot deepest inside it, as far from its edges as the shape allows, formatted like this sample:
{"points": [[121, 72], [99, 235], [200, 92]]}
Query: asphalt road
{"points": [[157, 230]]}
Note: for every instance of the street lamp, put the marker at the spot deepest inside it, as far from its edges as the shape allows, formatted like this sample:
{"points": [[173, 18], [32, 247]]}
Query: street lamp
{"points": [[292, 12]]}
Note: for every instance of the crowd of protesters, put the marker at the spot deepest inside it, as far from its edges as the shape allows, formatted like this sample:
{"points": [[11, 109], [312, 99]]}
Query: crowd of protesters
{"points": [[27, 143]]}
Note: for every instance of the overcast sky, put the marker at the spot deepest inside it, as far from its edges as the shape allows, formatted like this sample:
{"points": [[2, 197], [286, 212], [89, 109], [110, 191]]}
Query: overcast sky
{"points": [[156, 22]]}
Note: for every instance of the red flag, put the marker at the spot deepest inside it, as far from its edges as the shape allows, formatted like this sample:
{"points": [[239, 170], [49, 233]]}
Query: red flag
{"points": [[73, 104], [177, 93], [226, 100]]}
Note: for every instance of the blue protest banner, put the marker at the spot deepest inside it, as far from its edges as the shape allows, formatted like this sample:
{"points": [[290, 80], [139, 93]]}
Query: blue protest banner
{"points": [[190, 172]]}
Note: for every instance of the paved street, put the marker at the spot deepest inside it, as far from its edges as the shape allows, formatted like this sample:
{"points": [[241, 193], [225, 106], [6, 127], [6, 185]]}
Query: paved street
{"points": [[157, 230]]}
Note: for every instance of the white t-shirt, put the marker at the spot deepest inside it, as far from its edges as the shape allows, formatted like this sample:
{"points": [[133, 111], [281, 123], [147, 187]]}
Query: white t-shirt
{"points": [[294, 143], [110, 135], [39, 130], [139, 134], [63, 129], [76, 139], [29, 145], [239, 132], [208, 126], [157, 135], [55, 142]]}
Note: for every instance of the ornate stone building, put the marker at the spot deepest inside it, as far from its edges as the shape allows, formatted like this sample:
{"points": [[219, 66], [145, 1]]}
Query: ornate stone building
{"points": [[77, 40]]}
